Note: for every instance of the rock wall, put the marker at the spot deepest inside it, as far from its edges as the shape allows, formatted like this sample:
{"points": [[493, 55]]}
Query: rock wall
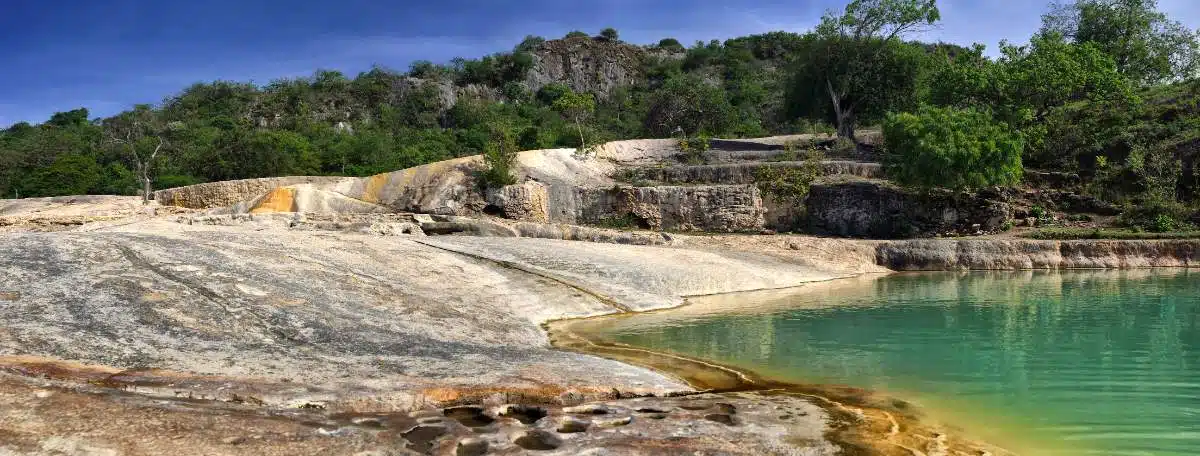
{"points": [[781, 214], [876, 209], [219, 194], [996, 254], [586, 65], [721, 208], [744, 173]]}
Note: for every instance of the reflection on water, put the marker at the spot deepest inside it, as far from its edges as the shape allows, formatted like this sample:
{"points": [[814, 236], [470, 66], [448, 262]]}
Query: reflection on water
{"points": [[1066, 363]]}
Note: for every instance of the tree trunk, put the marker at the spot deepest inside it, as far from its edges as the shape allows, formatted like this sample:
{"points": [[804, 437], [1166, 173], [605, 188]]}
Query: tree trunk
{"points": [[144, 175], [843, 116], [146, 190], [845, 127]]}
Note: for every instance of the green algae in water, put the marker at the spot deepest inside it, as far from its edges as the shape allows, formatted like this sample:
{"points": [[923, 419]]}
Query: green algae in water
{"points": [[1066, 363]]}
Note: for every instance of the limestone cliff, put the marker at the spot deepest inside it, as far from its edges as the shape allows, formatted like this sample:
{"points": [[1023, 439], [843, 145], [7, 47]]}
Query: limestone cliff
{"points": [[586, 65]]}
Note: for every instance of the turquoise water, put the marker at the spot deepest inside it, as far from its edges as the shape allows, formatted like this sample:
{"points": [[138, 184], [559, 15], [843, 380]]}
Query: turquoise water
{"points": [[1045, 363]]}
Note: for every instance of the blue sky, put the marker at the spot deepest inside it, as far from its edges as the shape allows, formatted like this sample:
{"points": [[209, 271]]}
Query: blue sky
{"points": [[109, 55]]}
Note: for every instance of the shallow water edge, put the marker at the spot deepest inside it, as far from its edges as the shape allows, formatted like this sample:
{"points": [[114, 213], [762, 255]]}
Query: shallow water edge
{"points": [[862, 422]]}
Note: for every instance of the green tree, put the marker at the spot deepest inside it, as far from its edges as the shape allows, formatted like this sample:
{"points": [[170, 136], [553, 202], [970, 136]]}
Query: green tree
{"points": [[855, 65], [610, 34], [72, 118], [577, 107], [70, 174], [529, 44], [1027, 83], [966, 148], [691, 105], [671, 44], [1145, 44], [846, 81]]}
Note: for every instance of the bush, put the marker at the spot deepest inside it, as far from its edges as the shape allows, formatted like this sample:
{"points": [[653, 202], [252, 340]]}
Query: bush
{"points": [[692, 149], [1038, 212], [788, 183], [671, 44], [500, 156], [610, 34], [953, 148], [576, 34], [1155, 215]]}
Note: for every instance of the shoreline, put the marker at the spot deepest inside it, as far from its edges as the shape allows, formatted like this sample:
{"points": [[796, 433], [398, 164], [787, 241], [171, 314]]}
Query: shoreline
{"points": [[878, 421], [862, 421]]}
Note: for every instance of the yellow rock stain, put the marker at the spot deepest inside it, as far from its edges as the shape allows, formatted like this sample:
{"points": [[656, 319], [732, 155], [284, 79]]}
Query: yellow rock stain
{"points": [[279, 200], [374, 187]]}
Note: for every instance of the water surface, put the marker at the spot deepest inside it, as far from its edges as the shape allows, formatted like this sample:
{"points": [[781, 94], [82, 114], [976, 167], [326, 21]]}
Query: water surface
{"points": [[1045, 363]]}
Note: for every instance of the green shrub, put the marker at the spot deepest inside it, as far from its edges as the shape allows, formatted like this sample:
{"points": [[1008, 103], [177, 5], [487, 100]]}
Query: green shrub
{"points": [[692, 149], [1155, 215], [953, 148], [790, 183], [1066, 234], [1038, 212], [610, 34], [621, 222], [500, 156]]}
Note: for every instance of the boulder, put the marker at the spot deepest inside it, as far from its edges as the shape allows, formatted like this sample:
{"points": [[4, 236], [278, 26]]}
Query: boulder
{"points": [[526, 202]]}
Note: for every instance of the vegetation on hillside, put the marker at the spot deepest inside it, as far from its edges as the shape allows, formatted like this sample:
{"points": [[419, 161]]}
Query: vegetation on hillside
{"points": [[1106, 89]]}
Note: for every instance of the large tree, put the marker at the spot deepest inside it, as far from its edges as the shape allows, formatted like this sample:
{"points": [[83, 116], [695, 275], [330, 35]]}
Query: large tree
{"points": [[689, 104], [1026, 82], [1145, 44], [142, 134], [576, 107], [855, 64]]}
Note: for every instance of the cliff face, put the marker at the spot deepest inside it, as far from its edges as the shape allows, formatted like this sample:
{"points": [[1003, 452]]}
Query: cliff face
{"points": [[586, 65]]}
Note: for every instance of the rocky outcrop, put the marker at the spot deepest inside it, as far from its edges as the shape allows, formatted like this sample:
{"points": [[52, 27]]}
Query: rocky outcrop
{"points": [[526, 202], [721, 208], [997, 254], [586, 65], [879, 210], [227, 193], [444, 188]]}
